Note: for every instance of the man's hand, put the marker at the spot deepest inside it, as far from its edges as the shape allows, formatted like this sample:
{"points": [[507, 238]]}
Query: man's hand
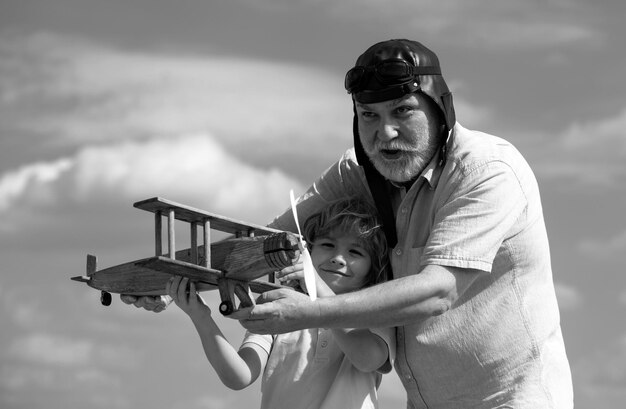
{"points": [[279, 311], [156, 303]]}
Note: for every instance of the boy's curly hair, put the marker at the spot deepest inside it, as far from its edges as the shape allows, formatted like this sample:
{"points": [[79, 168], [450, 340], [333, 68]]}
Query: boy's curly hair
{"points": [[353, 216]]}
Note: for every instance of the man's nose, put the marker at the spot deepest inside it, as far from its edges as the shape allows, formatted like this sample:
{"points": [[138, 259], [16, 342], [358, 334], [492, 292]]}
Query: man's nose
{"points": [[388, 130]]}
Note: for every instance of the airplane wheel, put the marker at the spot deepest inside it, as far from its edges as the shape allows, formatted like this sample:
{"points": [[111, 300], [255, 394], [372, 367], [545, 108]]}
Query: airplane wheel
{"points": [[105, 298], [226, 308]]}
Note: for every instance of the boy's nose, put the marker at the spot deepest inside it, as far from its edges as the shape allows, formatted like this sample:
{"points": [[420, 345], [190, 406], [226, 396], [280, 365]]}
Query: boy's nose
{"points": [[338, 259]]}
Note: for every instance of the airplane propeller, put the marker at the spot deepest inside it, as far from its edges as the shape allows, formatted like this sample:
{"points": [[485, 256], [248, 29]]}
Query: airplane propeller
{"points": [[309, 270]]}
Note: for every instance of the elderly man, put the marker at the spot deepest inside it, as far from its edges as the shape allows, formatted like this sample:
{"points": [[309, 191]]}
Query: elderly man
{"points": [[472, 295]]}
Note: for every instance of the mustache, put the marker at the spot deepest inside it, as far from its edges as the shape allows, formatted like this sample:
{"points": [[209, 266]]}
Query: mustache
{"points": [[393, 146]]}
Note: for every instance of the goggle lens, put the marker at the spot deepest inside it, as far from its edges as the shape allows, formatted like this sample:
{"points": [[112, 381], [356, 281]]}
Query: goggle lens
{"points": [[388, 72], [393, 71]]}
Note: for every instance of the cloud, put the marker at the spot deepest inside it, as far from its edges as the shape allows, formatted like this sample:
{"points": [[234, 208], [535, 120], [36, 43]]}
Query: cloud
{"points": [[592, 153], [569, 297], [194, 168], [471, 114], [82, 91], [51, 350], [601, 375], [607, 249], [493, 24], [47, 362], [47, 349], [14, 184], [34, 385]]}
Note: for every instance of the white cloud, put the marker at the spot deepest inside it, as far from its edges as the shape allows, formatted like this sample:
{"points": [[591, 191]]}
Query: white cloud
{"points": [[569, 298], [601, 374], [590, 153], [51, 350], [469, 113], [489, 23], [603, 249], [194, 168], [83, 91], [597, 137], [45, 349], [40, 385], [13, 184]]}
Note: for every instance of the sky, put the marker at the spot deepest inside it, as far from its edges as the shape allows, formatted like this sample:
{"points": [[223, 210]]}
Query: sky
{"points": [[226, 106]]}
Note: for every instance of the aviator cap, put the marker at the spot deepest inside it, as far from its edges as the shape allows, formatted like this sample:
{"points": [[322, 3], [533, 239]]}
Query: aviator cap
{"points": [[391, 69]]}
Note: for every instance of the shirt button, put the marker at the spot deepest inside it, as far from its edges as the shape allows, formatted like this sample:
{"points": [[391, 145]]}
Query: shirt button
{"points": [[403, 210], [324, 344], [408, 376], [398, 252]]}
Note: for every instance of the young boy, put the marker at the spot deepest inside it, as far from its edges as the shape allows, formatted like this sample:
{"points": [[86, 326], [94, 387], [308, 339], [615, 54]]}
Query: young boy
{"points": [[313, 368]]}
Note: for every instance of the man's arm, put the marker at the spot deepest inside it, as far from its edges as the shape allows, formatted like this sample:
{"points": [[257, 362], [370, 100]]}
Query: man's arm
{"points": [[397, 302], [366, 350]]}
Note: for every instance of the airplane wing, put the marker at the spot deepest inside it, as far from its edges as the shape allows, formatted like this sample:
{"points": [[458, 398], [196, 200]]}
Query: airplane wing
{"points": [[234, 265]]}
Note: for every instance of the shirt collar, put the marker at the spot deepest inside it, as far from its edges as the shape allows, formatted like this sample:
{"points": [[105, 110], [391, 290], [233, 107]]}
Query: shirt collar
{"points": [[432, 173]]}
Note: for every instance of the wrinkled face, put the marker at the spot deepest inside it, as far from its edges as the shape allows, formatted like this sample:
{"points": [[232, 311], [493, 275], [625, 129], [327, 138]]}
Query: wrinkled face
{"points": [[341, 262], [399, 136]]}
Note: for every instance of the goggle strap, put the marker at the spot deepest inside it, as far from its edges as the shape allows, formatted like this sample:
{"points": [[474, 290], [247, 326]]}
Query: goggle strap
{"points": [[420, 70], [427, 70]]}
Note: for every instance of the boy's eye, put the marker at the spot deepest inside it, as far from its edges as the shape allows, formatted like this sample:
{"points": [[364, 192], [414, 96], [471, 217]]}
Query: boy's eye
{"points": [[357, 252], [324, 243]]}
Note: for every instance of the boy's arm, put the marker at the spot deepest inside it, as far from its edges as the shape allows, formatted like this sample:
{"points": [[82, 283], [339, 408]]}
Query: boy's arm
{"points": [[367, 351], [236, 369]]}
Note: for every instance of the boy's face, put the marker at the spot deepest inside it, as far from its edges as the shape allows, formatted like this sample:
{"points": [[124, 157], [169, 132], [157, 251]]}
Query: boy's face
{"points": [[341, 262]]}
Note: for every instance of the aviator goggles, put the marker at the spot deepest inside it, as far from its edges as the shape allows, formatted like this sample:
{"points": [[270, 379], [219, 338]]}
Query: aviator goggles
{"points": [[388, 72]]}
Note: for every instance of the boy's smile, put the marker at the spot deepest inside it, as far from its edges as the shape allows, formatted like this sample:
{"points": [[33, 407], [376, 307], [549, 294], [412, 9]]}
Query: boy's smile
{"points": [[341, 262]]}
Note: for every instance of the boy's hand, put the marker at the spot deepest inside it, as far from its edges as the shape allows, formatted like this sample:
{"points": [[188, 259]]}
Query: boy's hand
{"points": [[183, 292], [292, 273]]}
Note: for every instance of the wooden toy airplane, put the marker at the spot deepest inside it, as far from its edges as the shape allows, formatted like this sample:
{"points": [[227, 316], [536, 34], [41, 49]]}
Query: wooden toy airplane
{"points": [[233, 265]]}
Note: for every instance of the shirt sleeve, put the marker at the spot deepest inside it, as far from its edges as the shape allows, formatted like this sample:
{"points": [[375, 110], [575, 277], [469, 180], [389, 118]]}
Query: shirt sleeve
{"points": [[389, 336], [342, 179], [263, 341], [478, 213]]}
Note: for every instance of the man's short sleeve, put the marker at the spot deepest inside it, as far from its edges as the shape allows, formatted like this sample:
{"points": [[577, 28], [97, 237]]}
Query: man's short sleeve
{"points": [[477, 211], [342, 179]]}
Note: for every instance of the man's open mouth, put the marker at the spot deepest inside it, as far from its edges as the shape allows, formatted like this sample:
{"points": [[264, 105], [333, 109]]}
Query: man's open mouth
{"points": [[391, 153]]}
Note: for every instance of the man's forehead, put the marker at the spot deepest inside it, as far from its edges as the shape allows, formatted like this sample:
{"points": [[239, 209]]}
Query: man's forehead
{"points": [[409, 98]]}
